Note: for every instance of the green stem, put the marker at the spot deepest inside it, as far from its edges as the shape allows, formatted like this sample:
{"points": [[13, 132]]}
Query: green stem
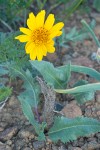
{"points": [[91, 31]]}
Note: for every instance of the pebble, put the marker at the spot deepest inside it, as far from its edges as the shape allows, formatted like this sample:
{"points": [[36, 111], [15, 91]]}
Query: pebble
{"points": [[93, 145], [98, 98], [93, 56], [88, 112], [2, 146], [9, 142], [24, 134], [1, 129], [8, 133], [75, 54], [27, 148], [38, 144], [77, 148], [8, 147]]}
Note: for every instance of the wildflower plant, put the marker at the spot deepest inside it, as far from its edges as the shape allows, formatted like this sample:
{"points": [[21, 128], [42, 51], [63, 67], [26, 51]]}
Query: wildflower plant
{"points": [[50, 80]]}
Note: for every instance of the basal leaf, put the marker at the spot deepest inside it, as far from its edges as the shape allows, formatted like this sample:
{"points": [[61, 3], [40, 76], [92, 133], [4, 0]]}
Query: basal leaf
{"points": [[30, 85], [28, 112], [83, 96], [39, 128], [56, 77], [66, 130], [85, 70], [80, 89]]}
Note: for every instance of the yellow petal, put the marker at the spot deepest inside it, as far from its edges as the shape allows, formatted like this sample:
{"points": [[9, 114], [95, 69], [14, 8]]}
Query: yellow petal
{"points": [[25, 31], [44, 50], [50, 42], [33, 54], [40, 18], [39, 53], [59, 33], [31, 21], [49, 22], [23, 38], [50, 46], [55, 29], [51, 49], [29, 47]]}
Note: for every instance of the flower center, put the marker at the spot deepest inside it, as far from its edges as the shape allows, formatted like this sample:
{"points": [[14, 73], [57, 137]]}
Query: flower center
{"points": [[40, 36]]}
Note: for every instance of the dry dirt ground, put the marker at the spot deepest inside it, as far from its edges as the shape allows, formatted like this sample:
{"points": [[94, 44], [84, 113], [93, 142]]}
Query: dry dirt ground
{"points": [[15, 131]]}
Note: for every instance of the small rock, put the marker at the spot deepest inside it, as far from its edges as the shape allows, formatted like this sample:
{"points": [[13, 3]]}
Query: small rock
{"points": [[19, 144], [54, 147], [77, 148], [8, 147], [31, 136], [98, 135], [62, 147], [38, 145], [8, 133], [93, 145], [93, 56], [88, 112], [2, 146], [98, 97], [3, 124], [1, 129], [9, 142], [24, 134], [72, 110], [27, 148], [75, 54], [98, 113]]}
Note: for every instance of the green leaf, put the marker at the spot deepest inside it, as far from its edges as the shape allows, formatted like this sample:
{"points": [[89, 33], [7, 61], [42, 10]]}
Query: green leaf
{"points": [[73, 7], [56, 77], [3, 70], [31, 87], [85, 96], [85, 70], [39, 128], [28, 112], [4, 92], [80, 89], [66, 130], [90, 30], [96, 4]]}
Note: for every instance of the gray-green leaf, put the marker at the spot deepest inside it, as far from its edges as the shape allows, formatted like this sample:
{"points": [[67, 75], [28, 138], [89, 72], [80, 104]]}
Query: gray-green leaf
{"points": [[55, 77], [84, 96], [66, 130]]}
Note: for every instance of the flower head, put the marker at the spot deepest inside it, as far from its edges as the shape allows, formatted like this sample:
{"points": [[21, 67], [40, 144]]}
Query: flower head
{"points": [[39, 35]]}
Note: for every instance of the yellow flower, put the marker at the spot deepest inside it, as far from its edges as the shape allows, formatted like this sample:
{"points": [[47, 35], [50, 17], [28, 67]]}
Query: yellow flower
{"points": [[39, 35]]}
